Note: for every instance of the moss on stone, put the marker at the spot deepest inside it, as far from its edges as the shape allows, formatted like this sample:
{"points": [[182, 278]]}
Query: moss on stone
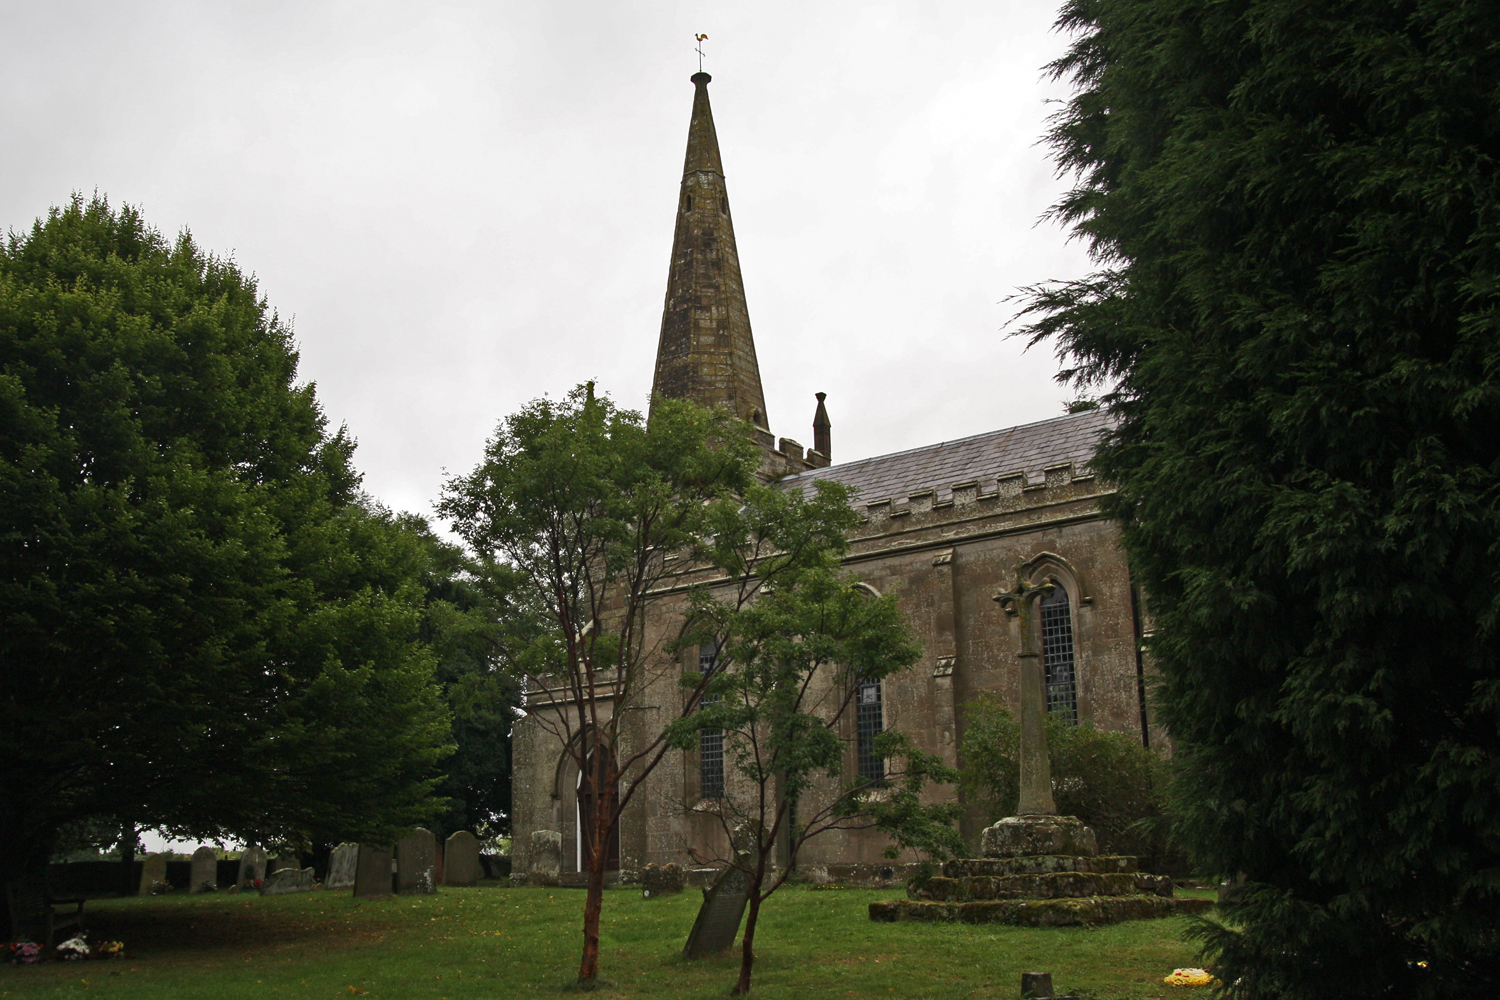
{"points": [[1088, 911], [1037, 864]]}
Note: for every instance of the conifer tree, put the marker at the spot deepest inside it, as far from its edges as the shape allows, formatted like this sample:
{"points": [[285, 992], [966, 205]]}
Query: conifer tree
{"points": [[1295, 209]]}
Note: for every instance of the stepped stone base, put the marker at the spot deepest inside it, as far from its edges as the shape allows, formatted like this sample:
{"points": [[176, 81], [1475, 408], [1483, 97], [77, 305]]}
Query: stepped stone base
{"points": [[1023, 836], [1053, 885], [1089, 912], [1040, 864], [1039, 871]]}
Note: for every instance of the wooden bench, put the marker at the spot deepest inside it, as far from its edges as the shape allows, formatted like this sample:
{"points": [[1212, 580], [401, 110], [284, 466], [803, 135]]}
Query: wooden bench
{"points": [[62, 915], [57, 915]]}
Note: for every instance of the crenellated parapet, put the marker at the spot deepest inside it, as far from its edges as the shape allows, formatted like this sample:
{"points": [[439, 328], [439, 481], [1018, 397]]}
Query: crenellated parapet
{"points": [[1008, 493]]}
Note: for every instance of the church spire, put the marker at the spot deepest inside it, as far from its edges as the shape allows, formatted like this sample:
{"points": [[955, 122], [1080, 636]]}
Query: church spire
{"points": [[706, 352]]}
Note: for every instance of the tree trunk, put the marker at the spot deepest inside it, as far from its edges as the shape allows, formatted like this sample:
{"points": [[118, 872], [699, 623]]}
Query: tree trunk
{"points": [[596, 860], [601, 789], [747, 947], [129, 884], [588, 968], [23, 891]]}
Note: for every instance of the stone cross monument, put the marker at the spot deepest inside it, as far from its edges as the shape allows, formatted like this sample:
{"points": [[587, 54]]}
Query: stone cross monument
{"points": [[1036, 768]]}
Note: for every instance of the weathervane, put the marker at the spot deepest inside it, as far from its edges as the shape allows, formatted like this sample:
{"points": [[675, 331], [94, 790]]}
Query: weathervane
{"points": [[701, 39]]}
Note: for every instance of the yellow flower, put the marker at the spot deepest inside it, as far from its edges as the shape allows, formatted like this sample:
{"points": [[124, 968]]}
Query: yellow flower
{"points": [[1188, 977]]}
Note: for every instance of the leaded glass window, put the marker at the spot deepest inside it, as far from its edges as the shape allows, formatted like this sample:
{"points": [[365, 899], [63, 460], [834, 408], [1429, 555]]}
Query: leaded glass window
{"points": [[869, 722], [710, 741], [1057, 656]]}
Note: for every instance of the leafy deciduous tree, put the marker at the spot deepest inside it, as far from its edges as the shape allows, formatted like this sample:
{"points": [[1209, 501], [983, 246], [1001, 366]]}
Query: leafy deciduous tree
{"points": [[206, 627], [794, 639], [579, 504], [468, 611]]}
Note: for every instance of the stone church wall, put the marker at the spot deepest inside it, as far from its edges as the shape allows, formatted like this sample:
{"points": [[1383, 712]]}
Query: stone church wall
{"points": [[946, 561]]}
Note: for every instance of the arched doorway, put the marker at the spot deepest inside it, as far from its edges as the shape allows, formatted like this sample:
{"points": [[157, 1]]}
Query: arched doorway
{"points": [[588, 805]]}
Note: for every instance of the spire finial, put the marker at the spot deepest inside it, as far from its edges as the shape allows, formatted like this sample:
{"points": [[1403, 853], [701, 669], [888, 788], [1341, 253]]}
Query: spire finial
{"points": [[701, 39]]}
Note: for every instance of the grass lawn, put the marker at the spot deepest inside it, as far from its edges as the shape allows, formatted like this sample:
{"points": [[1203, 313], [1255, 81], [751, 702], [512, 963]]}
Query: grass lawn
{"points": [[500, 942]]}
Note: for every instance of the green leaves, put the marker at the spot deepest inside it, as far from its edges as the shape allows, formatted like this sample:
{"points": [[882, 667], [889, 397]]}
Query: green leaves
{"points": [[930, 829], [795, 633], [1109, 780], [579, 503], [204, 625]]}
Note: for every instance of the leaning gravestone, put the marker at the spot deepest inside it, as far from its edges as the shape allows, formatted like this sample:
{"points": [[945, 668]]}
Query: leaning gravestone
{"points": [[372, 872], [205, 871], [288, 880], [719, 916], [341, 865], [252, 866], [416, 863], [461, 859], [153, 874]]}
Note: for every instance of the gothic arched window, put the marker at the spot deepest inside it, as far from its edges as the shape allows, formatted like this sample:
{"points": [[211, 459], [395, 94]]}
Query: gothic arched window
{"points": [[869, 721], [1057, 656], [710, 741]]}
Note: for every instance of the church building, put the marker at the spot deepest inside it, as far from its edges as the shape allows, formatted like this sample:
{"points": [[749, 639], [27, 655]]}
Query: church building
{"points": [[945, 527]]}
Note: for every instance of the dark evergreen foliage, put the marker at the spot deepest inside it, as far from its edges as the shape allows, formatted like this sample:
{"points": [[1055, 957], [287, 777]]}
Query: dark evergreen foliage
{"points": [[203, 624], [1296, 210]]}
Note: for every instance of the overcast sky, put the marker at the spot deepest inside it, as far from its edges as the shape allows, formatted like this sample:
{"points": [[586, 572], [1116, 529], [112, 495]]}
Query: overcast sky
{"points": [[466, 205]]}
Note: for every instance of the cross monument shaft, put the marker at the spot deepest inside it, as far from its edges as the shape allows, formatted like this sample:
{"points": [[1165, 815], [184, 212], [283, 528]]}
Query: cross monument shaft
{"points": [[1035, 766]]}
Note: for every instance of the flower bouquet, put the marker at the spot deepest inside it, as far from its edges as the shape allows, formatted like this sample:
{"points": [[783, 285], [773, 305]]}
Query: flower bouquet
{"points": [[1188, 977], [23, 953], [74, 949], [108, 950]]}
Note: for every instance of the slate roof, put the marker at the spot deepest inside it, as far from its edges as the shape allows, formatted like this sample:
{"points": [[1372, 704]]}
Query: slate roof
{"points": [[1029, 448]]}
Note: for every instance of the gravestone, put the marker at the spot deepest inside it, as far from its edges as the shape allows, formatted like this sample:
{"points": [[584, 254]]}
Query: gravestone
{"points": [[1232, 891], [495, 866], [661, 880], [153, 874], [416, 863], [291, 859], [341, 865], [205, 871], [546, 857], [372, 872], [252, 866], [720, 915], [461, 859], [288, 880], [1036, 985]]}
